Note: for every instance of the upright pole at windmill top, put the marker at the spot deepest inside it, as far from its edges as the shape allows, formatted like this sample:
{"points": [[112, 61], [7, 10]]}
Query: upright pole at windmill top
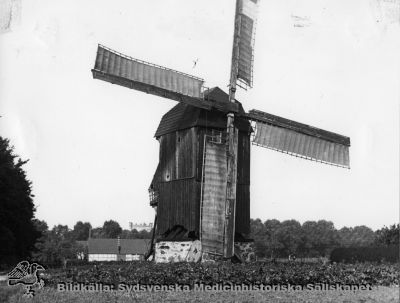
{"points": [[232, 132]]}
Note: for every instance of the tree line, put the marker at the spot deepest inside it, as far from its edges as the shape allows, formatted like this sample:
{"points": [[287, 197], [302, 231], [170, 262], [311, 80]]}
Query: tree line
{"points": [[275, 239], [22, 236]]}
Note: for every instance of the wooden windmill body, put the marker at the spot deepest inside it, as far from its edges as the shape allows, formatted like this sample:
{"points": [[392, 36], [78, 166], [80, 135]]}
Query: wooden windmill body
{"points": [[201, 185], [177, 187]]}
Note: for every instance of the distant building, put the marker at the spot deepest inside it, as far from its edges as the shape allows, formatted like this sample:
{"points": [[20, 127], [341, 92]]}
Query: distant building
{"points": [[140, 226], [116, 249]]}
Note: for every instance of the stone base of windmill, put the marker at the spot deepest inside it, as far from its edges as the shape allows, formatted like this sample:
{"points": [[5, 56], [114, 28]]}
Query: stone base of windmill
{"points": [[177, 251], [245, 251], [190, 251]]}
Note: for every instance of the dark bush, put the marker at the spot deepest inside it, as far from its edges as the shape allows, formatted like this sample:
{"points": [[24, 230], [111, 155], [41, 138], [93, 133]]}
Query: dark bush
{"points": [[365, 254]]}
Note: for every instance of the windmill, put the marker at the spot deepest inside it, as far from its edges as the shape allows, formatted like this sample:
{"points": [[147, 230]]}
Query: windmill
{"points": [[201, 186]]}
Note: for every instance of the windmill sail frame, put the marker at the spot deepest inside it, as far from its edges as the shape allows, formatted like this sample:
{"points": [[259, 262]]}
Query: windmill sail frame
{"points": [[245, 32], [115, 63], [300, 140], [116, 68]]}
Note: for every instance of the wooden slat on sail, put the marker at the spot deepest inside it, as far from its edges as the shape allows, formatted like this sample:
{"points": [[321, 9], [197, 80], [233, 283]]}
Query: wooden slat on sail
{"points": [[299, 139], [312, 148]]}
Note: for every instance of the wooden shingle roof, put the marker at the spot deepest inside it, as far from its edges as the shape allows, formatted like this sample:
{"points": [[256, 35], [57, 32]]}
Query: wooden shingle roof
{"points": [[183, 116]]}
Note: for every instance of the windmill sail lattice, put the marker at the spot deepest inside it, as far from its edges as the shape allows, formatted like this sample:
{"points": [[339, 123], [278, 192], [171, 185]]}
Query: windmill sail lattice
{"points": [[117, 64], [300, 140], [247, 17], [116, 68]]}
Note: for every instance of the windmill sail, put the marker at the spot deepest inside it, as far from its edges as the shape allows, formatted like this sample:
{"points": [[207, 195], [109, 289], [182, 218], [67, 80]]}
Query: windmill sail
{"points": [[114, 67], [113, 63], [245, 32], [300, 140]]}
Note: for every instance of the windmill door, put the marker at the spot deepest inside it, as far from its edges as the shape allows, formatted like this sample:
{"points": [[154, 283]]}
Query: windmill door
{"points": [[213, 199]]}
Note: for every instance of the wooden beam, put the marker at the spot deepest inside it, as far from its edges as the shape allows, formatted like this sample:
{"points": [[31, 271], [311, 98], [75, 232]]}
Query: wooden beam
{"points": [[232, 132]]}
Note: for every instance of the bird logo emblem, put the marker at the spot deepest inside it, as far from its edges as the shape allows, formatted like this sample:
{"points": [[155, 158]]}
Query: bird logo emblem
{"points": [[28, 275]]}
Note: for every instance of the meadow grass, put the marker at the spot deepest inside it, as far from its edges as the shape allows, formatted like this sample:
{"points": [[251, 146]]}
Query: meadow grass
{"points": [[51, 295], [383, 277]]}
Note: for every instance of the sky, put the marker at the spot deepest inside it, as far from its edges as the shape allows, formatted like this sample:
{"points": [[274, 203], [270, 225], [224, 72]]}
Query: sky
{"points": [[91, 146]]}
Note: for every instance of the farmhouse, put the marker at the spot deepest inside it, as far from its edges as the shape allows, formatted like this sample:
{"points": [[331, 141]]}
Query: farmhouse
{"points": [[116, 249]]}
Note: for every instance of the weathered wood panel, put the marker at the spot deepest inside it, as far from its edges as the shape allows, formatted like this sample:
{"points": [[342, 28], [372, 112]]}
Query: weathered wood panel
{"points": [[167, 157], [178, 205], [230, 204], [201, 132], [243, 167], [177, 155], [181, 155], [214, 198], [184, 153], [243, 172], [242, 221]]}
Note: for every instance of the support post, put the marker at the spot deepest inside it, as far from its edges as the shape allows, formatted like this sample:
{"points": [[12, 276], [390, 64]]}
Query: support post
{"points": [[232, 134], [230, 206]]}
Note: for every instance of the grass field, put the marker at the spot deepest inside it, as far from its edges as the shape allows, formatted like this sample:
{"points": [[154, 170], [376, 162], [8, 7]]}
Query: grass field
{"points": [[51, 295], [384, 279]]}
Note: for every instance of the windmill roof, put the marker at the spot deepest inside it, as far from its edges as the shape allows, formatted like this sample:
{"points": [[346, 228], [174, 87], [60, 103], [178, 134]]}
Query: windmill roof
{"points": [[110, 246], [183, 116]]}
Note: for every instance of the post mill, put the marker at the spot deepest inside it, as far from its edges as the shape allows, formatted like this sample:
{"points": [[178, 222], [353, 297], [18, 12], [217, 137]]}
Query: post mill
{"points": [[201, 187]]}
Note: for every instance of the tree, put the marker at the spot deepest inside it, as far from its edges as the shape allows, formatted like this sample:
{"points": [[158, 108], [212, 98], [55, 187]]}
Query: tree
{"points": [[57, 246], [126, 234], [319, 238], [42, 227], [111, 229], [308, 243], [259, 235], [17, 229], [272, 243], [97, 233], [388, 235], [356, 236], [289, 235], [81, 231]]}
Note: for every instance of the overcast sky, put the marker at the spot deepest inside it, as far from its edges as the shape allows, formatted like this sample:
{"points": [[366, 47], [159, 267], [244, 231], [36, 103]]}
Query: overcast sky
{"points": [[330, 64]]}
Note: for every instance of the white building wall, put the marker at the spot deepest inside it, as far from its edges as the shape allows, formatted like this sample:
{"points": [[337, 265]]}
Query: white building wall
{"points": [[133, 257], [102, 257]]}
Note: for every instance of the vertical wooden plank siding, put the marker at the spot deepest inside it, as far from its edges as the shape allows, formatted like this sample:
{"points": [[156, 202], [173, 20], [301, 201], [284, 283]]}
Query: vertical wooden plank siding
{"points": [[179, 195], [181, 155], [242, 219], [178, 205], [243, 172]]}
